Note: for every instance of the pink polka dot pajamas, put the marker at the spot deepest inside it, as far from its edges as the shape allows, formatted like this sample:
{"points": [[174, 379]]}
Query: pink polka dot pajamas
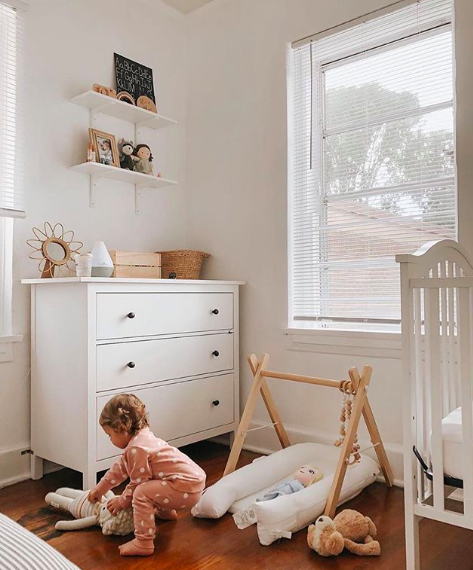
{"points": [[162, 478]]}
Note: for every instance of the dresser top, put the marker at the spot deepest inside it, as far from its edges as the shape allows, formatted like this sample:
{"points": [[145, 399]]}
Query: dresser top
{"points": [[111, 280]]}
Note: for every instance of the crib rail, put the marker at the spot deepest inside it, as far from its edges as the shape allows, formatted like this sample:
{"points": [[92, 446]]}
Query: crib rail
{"points": [[437, 337]]}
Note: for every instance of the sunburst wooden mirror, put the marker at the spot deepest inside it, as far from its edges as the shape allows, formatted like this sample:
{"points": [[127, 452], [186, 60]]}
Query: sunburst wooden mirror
{"points": [[54, 249]]}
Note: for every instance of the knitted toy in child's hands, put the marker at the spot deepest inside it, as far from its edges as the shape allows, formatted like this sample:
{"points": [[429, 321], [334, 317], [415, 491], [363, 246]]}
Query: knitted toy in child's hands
{"points": [[301, 479], [90, 514]]}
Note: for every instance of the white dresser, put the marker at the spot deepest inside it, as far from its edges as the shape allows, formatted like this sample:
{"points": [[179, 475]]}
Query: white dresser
{"points": [[172, 343]]}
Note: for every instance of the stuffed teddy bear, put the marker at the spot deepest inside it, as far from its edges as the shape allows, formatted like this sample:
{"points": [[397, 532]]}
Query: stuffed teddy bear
{"points": [[324, 538], [90, 514], [355, 530], [358, 532]]}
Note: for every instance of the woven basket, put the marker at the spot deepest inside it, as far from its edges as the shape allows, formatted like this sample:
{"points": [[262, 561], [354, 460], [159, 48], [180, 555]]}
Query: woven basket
{"points": [[182, 263]]}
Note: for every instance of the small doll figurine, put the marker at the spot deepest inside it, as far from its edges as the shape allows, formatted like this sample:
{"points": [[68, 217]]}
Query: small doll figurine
{"points": [[302, 478], [127, 160], [90, 153], [143, 159]]}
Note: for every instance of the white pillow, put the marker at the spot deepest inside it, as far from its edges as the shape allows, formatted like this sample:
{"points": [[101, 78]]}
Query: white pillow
{"points": [[284, 515]]}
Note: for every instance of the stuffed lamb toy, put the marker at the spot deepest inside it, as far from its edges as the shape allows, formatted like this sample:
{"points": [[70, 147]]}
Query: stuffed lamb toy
{"points": [[90, 514]]}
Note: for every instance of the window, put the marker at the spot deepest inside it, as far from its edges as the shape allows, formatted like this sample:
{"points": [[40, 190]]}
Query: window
{"points": [[11, 171], [372, 163]]}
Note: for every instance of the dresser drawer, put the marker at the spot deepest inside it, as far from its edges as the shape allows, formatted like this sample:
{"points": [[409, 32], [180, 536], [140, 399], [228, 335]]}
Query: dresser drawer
{"points": [[122, 315], [141, 362], [179, 410]]}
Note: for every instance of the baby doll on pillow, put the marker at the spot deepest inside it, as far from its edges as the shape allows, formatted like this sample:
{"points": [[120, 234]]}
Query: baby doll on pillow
{"points": [[302, 478]]}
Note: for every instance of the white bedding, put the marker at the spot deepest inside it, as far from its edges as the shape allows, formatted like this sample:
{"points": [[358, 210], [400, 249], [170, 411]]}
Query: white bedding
{"points": [[284, 515], [452, 444]]}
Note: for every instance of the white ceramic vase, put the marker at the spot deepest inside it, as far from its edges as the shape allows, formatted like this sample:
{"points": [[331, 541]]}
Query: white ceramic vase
{"points": [[102, 264]]}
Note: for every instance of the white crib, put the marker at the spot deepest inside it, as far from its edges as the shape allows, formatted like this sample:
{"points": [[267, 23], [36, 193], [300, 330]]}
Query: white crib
{"points": [[437, 346]]}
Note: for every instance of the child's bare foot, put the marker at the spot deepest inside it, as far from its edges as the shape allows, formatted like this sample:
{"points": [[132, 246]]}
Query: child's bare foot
{"points": [[167, 515], [137, 548]]}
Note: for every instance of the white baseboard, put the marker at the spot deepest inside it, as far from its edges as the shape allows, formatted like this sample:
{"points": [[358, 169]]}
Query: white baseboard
{"points": [[264, 441], [15, 466]]}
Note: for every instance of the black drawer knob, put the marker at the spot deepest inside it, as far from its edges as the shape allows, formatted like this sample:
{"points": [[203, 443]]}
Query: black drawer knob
{"points": [[216, 353], [215, 312], [216, 403], [131, 315], [131, 365]]}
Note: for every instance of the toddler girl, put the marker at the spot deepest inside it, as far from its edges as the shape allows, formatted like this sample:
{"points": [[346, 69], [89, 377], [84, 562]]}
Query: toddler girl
{"points": [[162, 479]]}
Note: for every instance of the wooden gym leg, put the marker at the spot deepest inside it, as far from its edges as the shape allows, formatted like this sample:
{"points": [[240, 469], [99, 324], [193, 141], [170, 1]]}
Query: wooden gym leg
{"points": [[359, 402], [246, 416], [375, 436], [270, 406]]}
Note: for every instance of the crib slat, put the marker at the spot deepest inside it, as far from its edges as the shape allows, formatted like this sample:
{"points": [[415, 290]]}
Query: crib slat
{"points": [[417, 380], [465, 347], [417, 375], [444, 344], [432, 333], [452, 375]]}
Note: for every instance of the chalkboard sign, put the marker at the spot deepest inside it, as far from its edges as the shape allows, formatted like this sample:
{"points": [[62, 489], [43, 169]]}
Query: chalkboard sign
{"points": [[133, 77]]}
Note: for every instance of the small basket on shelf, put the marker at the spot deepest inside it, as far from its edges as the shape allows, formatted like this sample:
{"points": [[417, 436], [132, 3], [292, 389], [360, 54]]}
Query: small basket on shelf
{"points": [[182, 263]]}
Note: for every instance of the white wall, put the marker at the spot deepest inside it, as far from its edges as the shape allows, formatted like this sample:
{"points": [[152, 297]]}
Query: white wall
{"points": [[69, 46], [236, 161], [229, 94]]}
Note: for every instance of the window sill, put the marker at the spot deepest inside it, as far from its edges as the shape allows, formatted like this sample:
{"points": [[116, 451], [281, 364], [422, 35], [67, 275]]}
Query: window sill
{"points": [[356, 343], [6, 346]]}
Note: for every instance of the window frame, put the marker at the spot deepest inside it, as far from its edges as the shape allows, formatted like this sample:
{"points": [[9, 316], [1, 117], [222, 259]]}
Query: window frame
{"points": [[313, 330], [7, 338]]}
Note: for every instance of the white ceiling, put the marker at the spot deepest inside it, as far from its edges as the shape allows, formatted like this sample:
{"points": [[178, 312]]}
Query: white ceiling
{"points": [[186, 6]]}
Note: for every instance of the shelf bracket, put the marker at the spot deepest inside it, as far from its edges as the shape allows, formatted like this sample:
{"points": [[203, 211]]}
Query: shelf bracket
{"points": [[138, 188], [138, 193], [138, 126], [93, 187], [96, 111]]}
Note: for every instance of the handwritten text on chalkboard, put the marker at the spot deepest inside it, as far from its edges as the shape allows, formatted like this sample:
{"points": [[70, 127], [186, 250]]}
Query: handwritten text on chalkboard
{"points": [[133, 77]]}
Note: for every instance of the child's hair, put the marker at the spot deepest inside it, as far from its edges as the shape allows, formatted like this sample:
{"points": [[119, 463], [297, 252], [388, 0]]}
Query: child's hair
{"points": [[124, 413]]}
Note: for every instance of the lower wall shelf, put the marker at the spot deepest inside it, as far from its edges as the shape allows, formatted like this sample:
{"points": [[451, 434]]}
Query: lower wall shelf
{"points": [[96, 171]]}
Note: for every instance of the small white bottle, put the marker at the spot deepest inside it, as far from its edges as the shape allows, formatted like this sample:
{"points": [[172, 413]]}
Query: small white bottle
{"points": [[83, 264]]}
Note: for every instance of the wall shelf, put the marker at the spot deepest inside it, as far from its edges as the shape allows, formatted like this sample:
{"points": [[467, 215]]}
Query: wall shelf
{"points": [[98, 103], [96, 171]]}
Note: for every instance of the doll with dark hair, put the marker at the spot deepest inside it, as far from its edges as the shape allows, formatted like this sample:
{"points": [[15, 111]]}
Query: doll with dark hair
{"points": [[143, 159]]}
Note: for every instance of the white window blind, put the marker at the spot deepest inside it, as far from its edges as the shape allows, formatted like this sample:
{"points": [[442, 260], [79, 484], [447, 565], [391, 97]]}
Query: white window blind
{"points": [[11, 166], [372, 164]]}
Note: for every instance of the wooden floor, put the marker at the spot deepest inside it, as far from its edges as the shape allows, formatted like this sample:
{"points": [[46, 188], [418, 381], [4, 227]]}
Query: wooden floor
{"points": [[192, 544]]}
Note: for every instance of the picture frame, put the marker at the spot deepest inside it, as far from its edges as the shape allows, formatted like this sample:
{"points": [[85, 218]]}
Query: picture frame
{"points": [[105, 146]]}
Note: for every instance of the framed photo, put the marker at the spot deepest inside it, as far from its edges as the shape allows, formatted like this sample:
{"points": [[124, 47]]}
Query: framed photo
{"points": [[105, 145]]}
